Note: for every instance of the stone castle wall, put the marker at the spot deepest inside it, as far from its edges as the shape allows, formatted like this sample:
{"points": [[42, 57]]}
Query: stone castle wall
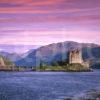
{"points": [[75, 57]]}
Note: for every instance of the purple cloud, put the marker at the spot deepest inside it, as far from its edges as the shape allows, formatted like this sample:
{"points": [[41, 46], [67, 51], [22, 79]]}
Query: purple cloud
{"points": [[36, 22]]}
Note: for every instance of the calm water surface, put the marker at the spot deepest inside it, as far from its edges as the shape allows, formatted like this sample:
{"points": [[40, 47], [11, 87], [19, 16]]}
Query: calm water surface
{"points": [[46, 85]]}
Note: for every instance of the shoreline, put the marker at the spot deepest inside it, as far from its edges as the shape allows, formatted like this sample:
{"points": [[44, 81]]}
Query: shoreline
{"points": [[7, 70]]}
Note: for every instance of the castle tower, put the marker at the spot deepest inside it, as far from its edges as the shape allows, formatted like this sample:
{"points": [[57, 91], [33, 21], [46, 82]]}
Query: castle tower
{"points": [[75, 56]]}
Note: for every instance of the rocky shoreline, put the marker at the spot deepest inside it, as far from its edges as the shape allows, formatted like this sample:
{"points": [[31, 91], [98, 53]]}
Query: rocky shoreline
{"points": [[88, 95]]}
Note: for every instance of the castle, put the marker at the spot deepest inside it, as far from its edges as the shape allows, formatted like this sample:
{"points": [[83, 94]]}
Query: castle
{"points": [[75, 57]]}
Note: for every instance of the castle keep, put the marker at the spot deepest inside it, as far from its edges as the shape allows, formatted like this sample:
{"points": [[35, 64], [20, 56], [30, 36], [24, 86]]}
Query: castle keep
{"points": [[75, 57]]}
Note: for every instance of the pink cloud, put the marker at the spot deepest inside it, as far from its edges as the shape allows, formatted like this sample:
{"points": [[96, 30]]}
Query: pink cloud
{"points": [[45, 19], [47, 37]]}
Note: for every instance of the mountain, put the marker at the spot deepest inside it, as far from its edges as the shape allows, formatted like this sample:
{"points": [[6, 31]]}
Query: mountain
{"points": [[11, 56], [27, 53], [58, 52], [15, 56], [17, 48]]}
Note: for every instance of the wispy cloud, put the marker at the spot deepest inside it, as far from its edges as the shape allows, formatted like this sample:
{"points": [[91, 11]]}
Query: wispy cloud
{"points": [[47, 37], [42, 21]]}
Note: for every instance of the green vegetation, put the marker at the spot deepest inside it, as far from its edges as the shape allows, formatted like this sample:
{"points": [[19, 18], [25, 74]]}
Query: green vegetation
{"points": [[56, 66], [6, 61], [76, 67], [68, 67], [6, 64]]}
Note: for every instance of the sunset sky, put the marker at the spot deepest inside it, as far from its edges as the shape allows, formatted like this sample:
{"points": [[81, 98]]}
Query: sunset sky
{"points": [[41, 22]]}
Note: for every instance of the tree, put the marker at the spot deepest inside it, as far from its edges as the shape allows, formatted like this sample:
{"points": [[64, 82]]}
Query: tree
{"points": [[55, 63]]}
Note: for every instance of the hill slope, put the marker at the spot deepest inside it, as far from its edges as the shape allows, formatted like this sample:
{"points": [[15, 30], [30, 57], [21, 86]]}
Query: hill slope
{"points": [[58, 52], [11, 56]]}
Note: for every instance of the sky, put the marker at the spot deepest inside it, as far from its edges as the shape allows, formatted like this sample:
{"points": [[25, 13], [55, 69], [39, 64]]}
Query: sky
{"points": [[42, 22]]}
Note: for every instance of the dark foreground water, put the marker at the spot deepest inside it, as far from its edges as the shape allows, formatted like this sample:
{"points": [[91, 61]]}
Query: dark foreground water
{"points": [[46, 85]]}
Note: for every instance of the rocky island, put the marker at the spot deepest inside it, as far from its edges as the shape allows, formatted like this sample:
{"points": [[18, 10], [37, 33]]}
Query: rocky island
{"points": [[74, 63]]}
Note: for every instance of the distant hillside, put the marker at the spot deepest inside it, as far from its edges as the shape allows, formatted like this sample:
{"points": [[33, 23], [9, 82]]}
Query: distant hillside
{"points": [[58, 52], [11, 56], [14, 56], [17, 48]]}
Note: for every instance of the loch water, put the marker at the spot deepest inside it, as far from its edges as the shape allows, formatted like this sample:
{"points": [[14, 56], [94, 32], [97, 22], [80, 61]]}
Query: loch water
{"points": [[46, 85]]}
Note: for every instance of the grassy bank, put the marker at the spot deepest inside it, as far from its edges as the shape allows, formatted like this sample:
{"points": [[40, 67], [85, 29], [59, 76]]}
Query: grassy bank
{"points": [[64, 68], [69, 68]]}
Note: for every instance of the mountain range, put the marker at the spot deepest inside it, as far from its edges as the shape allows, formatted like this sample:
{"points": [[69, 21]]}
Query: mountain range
{"points": [[59, 52], [17, 48]]}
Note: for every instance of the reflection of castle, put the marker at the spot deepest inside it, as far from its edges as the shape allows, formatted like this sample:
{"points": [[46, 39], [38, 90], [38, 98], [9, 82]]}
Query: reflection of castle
{"points": [[75, 57]]}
